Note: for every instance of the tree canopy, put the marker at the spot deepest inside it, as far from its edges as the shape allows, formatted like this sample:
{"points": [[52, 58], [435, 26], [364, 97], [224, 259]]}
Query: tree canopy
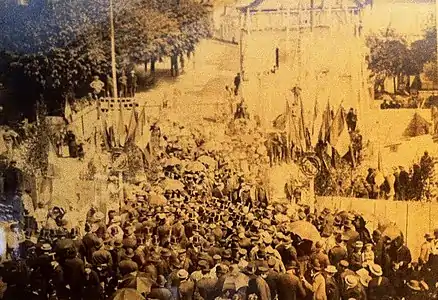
{"points": [[52, 51], [391, 55]]}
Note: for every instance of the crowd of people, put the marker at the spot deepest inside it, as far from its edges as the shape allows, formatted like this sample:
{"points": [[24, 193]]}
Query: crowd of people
{"points": [[126, 86], [400, 184], [205, 229]]}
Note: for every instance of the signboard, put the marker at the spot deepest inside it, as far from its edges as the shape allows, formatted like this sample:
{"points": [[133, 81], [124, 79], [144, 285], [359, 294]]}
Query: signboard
{"points": [[310, 165]]}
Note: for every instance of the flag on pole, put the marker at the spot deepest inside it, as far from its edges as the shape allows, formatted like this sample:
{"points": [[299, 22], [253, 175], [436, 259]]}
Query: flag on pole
{"points": [[316, 122], [325, 123], [141, 121], [339, 137], [104, 133], [121, 129], [304, 136], [132, 127], [68, 112], [143, 135], [379, 161]]}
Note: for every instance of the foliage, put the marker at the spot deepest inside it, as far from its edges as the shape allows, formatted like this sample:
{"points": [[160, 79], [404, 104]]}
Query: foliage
{"points": [[430, 70], [388, 53], [34, 152], [425, 49], [54, 50], [336, 181]]}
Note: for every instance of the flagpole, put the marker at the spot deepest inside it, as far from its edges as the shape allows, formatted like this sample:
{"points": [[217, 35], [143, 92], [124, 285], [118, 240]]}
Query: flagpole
{"points": [[113, 51]]}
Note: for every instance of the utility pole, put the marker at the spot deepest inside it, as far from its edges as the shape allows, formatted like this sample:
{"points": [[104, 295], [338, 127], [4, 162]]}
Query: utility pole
{"points": [[113, 52], [436, 28]]}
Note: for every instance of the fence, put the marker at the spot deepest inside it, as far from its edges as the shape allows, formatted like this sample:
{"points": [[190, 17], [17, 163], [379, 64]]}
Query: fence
{"points": [[413, 218], [84, 122]]}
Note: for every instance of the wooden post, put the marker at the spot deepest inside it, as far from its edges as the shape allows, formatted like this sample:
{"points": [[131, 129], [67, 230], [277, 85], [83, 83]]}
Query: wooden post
{"points": [[312, 194], [83, 126], [121, 196]]}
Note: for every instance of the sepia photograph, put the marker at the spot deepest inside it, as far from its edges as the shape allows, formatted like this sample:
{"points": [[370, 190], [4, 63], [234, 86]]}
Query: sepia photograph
{"points": [[218, 150]]}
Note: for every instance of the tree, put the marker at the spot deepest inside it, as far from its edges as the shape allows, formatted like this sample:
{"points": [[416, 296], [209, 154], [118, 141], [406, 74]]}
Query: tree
{"points": [[389, 54], [424, 50], [54, 50], [430, 70]]}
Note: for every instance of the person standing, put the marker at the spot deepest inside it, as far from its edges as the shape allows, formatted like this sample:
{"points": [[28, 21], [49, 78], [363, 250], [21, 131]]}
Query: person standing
{"points": [[71, 142], [109, 86], [132, 84], [237, 81], [379, 286], [351, 120], [403, 182], [332, 288], [426, 249], [12, 179], [97, 87], [123, 85], [318, 285]]}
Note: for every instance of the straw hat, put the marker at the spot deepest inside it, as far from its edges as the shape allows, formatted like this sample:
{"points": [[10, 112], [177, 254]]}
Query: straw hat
{"points": [[331, 269], [364, 276], [116, 219], [46, 247], [358, 244], [414, 285], [351, 281], [182, 274], [376, 269]]}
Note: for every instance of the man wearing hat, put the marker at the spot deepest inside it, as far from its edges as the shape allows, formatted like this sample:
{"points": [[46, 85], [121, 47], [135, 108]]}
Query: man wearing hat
{"points": [[339, 251], [186, 287], [227, 257], [127, 265], [114, 229], [132, 84], [426, 249], [289, 285], [14, 239], [263, 286], [332, 288], [90, 240], [217, 262], [379, 286], [159, 290], [129, 239], [415, 290], [203, 270], [99, 220], [101, 256], [272, 276], [343, 271], [356, 258], [352, 288], [163, 229], [318, 286], [320, 255]]}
